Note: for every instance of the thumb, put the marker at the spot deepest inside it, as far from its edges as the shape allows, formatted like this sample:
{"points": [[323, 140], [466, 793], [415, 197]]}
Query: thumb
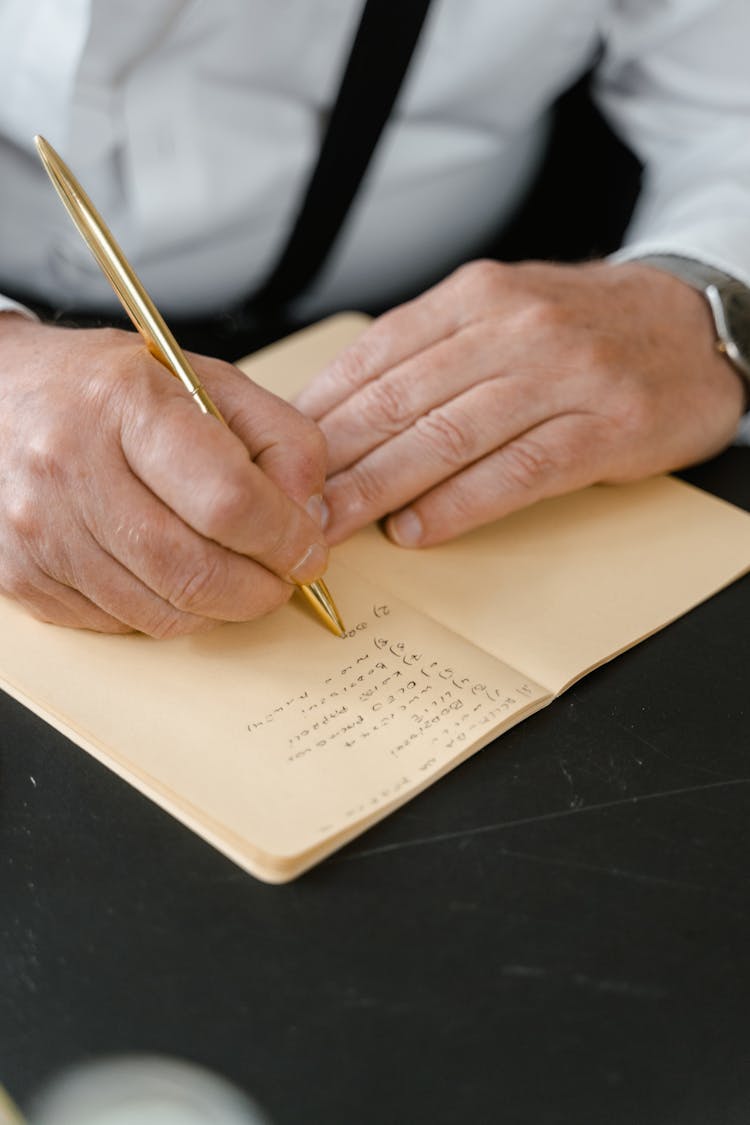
{"points": [[204, 473], [289, 448]]}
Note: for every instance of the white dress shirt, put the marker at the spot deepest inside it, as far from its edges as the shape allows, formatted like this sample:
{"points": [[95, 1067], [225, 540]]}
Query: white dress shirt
{"points": [[194, 125]]}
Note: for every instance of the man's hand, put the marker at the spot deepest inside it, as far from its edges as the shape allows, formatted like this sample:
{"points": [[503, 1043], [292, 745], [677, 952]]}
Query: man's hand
{"points": [[123, 507], [509, 383]]}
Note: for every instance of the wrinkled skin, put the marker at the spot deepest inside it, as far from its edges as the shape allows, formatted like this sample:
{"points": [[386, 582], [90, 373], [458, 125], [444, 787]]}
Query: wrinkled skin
{"points": [[123, 507], [505, 384]]}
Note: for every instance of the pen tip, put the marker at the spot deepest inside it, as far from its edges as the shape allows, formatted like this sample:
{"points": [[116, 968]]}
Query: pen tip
{"points": [[319, 597]]}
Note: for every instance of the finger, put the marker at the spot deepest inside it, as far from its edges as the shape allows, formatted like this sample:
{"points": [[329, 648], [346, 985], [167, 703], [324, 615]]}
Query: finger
{"points": [[391, 404], [57, 604], [191, 573], [388, 341], [202, 471], [558, 456], [474, 292], [121, 594], [440, 444], [287, 446]]}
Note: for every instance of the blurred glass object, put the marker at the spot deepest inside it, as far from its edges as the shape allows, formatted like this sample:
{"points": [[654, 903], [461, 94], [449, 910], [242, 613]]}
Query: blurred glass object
{"points": [[9, 1111], [142, 1090]]}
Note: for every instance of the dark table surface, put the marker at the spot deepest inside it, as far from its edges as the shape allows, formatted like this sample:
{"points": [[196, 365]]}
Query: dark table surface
{"points": [[558, 932]]}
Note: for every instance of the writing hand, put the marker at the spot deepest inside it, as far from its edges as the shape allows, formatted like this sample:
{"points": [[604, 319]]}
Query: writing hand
{"points": [[505, 384], [123, 507]]}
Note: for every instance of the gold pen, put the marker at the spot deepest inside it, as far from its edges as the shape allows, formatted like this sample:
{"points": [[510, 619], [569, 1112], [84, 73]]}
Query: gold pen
{"points": [[148, 320]]}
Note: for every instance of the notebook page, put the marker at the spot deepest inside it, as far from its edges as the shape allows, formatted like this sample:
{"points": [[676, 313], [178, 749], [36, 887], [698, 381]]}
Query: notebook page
{"points": [[274, 739], [564, 585]]}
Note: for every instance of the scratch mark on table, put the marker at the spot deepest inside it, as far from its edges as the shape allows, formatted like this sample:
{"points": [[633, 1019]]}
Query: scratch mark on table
{"points": [[603, 869], [662, 753], [540, 818], [632, 989]]}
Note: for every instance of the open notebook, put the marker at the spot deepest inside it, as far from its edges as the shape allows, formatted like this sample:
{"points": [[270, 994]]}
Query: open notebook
{"points": [[278, 742]]}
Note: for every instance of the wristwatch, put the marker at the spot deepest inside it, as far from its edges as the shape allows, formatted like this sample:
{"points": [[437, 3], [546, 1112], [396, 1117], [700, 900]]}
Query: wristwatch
{"points": [[728, 300]]}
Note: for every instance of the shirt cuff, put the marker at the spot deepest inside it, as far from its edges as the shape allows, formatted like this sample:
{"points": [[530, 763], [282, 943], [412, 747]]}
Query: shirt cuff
{"points": [[9, 305], [658, 248], [742, 437]]}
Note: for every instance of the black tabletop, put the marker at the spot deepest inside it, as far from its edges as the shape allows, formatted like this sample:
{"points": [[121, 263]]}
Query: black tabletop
{"points": [[557, 932]]}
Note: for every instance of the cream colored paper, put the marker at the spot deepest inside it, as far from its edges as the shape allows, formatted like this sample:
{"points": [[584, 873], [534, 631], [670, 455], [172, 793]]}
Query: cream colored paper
{"points": [[564, 585], [278, 742]]}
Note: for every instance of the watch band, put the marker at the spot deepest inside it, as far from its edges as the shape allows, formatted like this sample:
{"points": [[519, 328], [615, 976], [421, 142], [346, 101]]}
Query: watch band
{"points": [[720, 290], [696, 273]]}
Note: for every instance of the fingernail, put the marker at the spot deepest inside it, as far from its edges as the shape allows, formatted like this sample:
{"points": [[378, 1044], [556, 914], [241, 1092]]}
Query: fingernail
{"points": [[405, 528], [312, 565], [317, 510]]}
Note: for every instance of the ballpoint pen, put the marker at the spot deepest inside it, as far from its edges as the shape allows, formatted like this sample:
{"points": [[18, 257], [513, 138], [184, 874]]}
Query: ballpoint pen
{"points": [[148, 320]]}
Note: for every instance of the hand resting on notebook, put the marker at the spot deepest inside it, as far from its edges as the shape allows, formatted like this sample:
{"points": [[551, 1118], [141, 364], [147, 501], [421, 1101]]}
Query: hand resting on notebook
{"points": [[505, 384], [123, 507]]}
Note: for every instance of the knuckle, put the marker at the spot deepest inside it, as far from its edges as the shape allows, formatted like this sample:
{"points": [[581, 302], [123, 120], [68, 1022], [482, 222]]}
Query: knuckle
{"points": [[311, 436], [481, 278], [24, 516], [47, 452], [450, 441], [115, 369], [353, 367], [226, 507], [366, 488], [542, 311], [280, 546], [109, 337], [170, 622], [200, 585], [385, 406], [527, 462], [310, 448]]}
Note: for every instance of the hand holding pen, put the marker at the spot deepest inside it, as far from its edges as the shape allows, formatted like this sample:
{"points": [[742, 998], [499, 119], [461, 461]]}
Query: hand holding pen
{"points": [[123, 508]]}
